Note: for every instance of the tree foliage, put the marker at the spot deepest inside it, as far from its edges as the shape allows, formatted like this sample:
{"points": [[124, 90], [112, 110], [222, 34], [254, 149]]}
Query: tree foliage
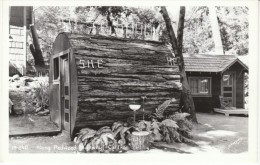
{"points": [[233, 22]]}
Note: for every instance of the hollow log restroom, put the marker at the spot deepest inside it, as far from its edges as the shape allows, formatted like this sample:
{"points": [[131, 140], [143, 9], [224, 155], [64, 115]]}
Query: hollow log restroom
{"points": [[94, 79]]}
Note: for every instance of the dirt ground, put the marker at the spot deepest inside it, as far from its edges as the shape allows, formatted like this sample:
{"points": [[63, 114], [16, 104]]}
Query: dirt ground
{"points": [[215, 133], [30, 123]]}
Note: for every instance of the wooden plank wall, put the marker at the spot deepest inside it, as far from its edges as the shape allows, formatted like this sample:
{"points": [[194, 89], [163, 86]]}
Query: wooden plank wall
{"points": [[206, 104], [20, 19], [239, 84], [128, 70]]}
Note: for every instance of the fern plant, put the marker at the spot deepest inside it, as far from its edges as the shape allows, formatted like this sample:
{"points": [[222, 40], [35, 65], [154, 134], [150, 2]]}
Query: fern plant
{"points": [[172, 128], [159, 111], [106, 139]]}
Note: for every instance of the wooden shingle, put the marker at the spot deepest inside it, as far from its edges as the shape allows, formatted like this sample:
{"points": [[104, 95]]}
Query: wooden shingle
{"points": [[210, 63]]}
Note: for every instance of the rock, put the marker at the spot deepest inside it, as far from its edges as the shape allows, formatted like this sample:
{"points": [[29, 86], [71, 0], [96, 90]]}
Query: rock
{"points": [[22, 82], [16, 77], [28, 79], [38, 109], [27, 91], [26, 83], [18, 111], [43, 113], [38, 104], [11, 79], [80, 147], [125, 124], [125, 148]]}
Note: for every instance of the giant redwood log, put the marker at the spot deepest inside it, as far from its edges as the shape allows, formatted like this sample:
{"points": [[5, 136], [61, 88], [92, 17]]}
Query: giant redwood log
{"points": [[106, 74]]}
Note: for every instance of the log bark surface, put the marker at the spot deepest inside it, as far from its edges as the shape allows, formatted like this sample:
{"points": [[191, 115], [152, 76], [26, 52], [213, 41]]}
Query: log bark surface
{"points": [[130, 69]]}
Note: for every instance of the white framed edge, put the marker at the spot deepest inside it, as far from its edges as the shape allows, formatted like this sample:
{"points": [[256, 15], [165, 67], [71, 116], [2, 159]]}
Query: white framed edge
{"points": [[248, 158]]}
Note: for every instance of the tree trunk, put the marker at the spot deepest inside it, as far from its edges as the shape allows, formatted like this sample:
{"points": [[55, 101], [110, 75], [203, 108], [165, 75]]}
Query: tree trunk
{"points": [[186, 99], [35, 48], [215, 30]]}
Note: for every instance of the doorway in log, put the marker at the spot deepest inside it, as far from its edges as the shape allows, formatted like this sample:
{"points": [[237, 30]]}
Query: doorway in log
{"points": [[65, 93]]}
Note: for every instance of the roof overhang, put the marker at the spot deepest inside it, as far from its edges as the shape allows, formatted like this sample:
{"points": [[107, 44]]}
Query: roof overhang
{"points": [[232, 63]]}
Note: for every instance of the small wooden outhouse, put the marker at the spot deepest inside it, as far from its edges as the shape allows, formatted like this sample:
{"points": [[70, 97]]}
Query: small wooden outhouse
{"points": [[93, 79], [213, 76]]}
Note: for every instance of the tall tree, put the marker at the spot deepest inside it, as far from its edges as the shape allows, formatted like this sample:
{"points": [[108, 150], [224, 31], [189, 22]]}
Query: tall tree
{"points": [[36, 49], [186, 99], [215, 30], [233, 25], [233, 22]]}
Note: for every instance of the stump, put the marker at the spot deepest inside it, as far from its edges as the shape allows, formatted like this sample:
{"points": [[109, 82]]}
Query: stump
{"points": [[140, 140]]}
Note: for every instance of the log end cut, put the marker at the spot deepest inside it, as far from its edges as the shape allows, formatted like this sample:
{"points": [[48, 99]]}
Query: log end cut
{"points": [[140, 140]]}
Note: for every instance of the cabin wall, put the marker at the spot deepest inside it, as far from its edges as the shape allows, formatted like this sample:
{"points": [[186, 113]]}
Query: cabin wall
{"points": [[206, 104], [130, 69], [17, 40], [239, 83]]}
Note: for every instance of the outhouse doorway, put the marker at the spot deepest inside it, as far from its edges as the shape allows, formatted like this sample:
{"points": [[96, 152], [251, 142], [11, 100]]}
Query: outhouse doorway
{"points": [[229, 88], [65, 93]]}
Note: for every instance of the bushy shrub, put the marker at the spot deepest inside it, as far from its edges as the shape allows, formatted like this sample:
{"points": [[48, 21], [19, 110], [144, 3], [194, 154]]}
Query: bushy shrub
{"points": [[40, 93]]}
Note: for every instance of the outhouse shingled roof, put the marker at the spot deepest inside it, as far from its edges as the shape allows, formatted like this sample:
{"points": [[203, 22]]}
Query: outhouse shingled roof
{"points": [[210, 63]]}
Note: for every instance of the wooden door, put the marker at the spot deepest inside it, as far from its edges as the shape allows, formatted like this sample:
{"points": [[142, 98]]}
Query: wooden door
{"points": [[228, 89], [65, 93]]}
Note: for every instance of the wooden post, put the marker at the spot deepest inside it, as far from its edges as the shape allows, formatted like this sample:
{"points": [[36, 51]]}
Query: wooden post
{"points": [[76, 25], [93, 27], [133, 31], [153, 28], [142, 31], [145, 31], [117, 26], [157, 32], [101, 28], [69, 26], [136, 29], [151, 33], [124, 28], [97, 29], [24, 42]]}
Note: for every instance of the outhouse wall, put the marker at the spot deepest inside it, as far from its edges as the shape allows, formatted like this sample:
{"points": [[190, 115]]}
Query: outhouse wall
{"points": [[240, 72], [207, 103]]}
